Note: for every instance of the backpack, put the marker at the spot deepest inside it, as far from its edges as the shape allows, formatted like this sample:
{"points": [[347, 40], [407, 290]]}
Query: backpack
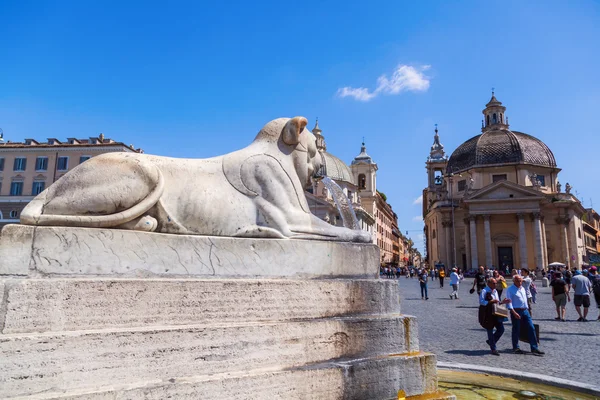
{"points": [[596, 284]]}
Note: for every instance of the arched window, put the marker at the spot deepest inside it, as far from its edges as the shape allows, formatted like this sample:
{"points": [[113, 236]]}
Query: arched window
{"points": [[495, 118], [579, 232], [362, 181], [433, 234], [487, 120], [501, 118]]}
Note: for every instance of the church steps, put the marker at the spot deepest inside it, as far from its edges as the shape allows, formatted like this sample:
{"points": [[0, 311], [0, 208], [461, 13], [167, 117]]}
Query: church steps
{"points": [[71, 359], [336, 379], [53, 304]]}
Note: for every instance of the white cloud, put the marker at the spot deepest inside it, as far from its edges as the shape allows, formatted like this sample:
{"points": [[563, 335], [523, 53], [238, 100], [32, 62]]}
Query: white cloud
{"points": [[418, 200], [405, 78], [360, 94], [417, 218]]}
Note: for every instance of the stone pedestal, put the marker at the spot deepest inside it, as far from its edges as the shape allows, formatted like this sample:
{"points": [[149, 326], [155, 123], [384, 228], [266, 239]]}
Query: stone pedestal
{"points": [[99, 314]]}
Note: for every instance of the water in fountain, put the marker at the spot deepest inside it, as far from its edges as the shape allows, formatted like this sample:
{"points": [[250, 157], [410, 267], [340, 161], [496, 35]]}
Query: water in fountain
{"points": [[342, 203]]}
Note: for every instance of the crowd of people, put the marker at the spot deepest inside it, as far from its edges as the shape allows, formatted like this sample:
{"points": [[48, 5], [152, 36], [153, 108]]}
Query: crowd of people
{"points": [[519, 298]]}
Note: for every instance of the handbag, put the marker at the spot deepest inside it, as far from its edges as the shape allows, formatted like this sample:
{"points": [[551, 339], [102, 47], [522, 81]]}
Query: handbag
{"points": [[472, 291], [499, 310], [524, 336], [503, 284]]}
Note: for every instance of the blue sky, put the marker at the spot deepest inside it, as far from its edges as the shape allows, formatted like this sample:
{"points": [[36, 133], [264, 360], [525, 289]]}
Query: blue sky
{"points": [[197, 79]]}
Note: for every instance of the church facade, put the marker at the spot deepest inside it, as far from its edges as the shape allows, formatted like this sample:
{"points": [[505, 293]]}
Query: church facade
{"points": [[497, 201]]}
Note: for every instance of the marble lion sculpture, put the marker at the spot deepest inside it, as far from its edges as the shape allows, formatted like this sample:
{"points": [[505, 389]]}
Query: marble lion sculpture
{"points": [[257, 191]]}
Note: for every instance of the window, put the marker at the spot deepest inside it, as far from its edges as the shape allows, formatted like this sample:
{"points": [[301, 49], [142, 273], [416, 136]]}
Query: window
{"points": [[462, 184], [20, 164], [63, 163], [1, 164], [542, 180], [13, 214], [38, 187], [84, 158], [16, 188], [498, 178], [41, 164], [495, 118], [362, 181]]}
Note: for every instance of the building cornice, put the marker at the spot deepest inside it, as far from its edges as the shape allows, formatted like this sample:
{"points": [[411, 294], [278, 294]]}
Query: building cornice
{"points": [[105, 148]]}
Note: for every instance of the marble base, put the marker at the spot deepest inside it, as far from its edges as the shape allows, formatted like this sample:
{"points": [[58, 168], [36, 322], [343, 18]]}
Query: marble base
{"points": [[53, 251]]}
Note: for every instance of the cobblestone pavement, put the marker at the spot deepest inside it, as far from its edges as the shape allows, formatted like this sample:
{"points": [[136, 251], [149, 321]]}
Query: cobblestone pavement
{"points": [[449, 328]]}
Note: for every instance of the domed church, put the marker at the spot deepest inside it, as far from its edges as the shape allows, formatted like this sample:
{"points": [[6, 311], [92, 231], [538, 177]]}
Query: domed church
{"points": [[497, 201]]}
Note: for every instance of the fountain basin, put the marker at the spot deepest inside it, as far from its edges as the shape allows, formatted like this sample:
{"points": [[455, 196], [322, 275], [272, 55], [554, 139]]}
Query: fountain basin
{"points": [[469, 385]]}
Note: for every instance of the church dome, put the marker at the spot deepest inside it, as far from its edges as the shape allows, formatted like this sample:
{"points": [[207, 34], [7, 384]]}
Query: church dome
{"points": [[336, 169], [499, 147]]}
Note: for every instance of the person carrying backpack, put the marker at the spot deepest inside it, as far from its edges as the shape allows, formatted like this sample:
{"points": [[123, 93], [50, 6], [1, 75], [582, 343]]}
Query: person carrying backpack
{"points": [[594, 277]]}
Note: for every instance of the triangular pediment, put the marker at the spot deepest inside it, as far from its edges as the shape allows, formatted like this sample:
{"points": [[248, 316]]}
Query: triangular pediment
{"points": [[504, 190]]}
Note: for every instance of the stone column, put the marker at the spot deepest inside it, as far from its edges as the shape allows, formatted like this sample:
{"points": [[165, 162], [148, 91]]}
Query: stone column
{"points": [[473, 226], [544, 243], [537, 238], [447, 225], [488, 241], [565, 239], [467, 246], [522, 241]]}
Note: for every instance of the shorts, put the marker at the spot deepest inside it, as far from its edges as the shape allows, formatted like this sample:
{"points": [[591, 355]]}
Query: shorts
{"points": [[582, 299], [560, 300]]}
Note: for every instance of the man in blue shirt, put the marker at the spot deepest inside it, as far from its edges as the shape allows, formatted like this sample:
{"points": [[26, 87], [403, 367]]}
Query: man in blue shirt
{"points": [[519, 314], [489, 296]]}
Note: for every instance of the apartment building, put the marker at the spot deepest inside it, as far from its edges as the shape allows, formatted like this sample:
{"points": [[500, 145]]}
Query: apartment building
{"points": [[29, 167]]}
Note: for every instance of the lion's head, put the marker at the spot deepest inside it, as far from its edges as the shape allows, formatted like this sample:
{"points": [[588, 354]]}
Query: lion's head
{"points": [[295, 140]]}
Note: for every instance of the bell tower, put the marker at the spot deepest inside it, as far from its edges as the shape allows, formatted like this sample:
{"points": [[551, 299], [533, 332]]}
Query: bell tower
{"points": [[494, 117], [436, 163], [364, 170]]}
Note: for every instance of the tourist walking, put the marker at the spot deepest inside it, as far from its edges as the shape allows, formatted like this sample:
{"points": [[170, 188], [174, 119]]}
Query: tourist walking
{"points": [[500, 283], [423, 283], [583, 288], [595, 280], [442, 276], [560, 296], [479, 281], [454, 281], [527, 285], [487, 319], [519, 314], [568, 276]]}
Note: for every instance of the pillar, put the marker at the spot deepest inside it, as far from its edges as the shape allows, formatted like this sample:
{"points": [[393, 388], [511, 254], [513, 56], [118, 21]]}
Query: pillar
{"points": [[522, 241], [473, 229], [447, 225], [544, 243], [488, 241], [565, 239], [537, 239], [467, 246]]}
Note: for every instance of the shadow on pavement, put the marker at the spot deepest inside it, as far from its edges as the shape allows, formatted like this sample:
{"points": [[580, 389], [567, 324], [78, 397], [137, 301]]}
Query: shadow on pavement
{"points": [[472, 353]]}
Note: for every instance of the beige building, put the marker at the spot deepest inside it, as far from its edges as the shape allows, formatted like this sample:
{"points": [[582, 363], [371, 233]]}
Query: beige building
{"points": [[497, 201], [359, 183], [27, 168]]}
